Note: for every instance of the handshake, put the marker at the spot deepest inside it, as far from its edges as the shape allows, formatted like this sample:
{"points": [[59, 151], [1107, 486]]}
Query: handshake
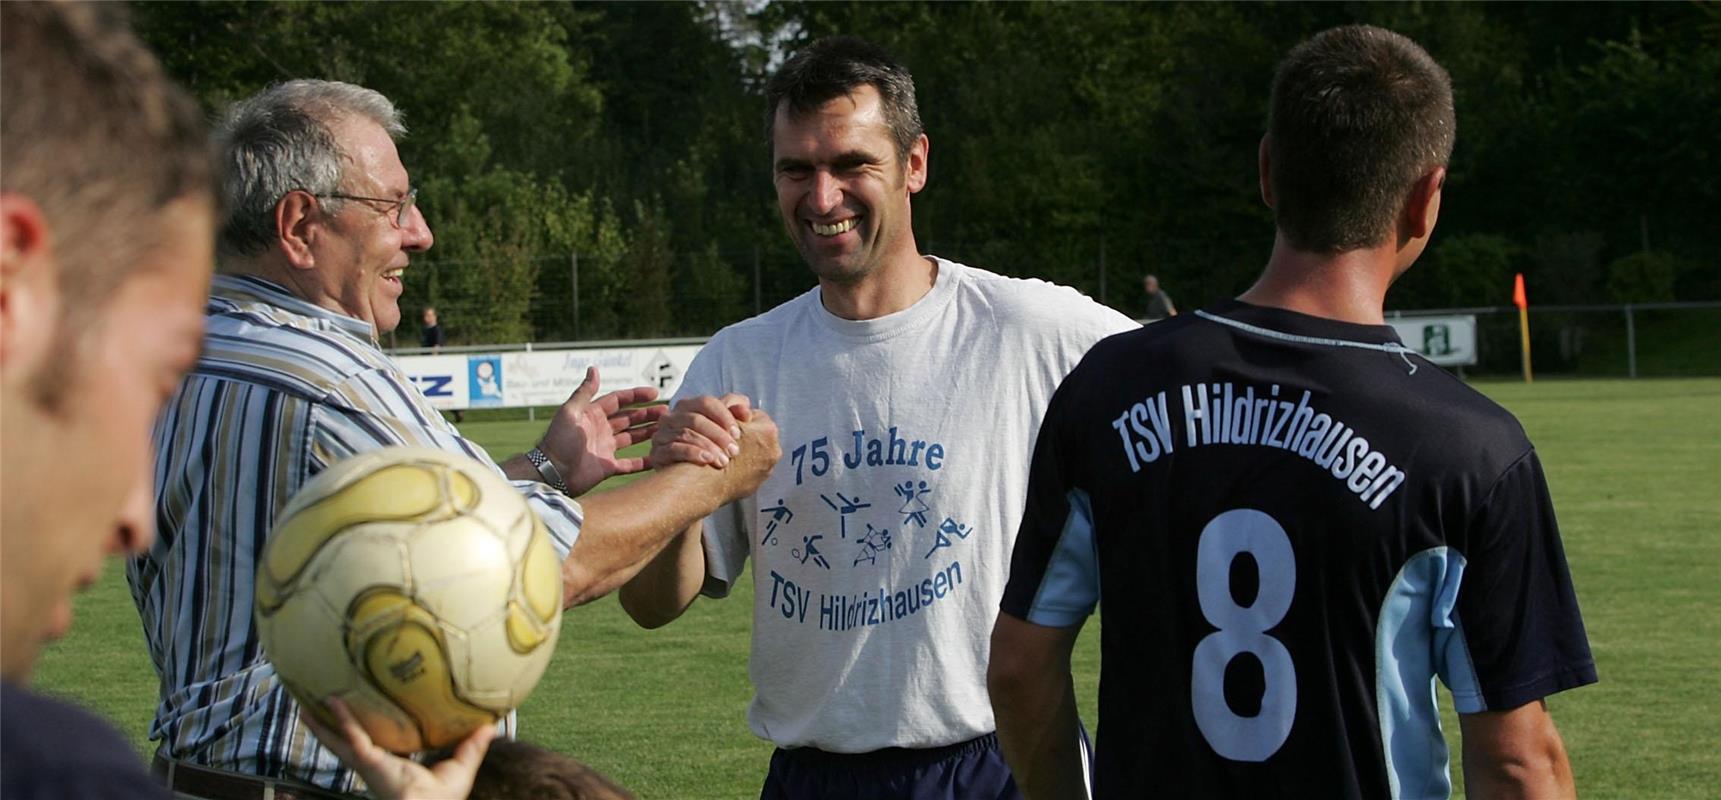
{"points": [[723, 432]]}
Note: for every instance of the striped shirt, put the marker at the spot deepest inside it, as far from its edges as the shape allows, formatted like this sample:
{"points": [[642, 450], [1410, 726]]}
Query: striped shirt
{"points": [[283, 390]]}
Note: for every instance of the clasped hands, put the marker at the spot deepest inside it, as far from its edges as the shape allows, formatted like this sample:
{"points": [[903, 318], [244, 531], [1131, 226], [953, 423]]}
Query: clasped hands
{"points": [[584, 437]]}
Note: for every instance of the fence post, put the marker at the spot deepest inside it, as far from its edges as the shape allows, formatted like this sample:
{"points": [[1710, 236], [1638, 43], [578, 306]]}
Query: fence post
{"points": [[1102, 269], [574, 288], [1630, 344], [532, 411]]}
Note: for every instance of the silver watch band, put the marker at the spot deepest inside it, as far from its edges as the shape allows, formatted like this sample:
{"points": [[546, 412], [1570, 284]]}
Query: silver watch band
{"points": [[547, 470]]}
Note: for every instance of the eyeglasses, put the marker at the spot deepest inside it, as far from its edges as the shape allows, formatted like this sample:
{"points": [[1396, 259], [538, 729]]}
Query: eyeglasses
{"points": [[401, 208]]}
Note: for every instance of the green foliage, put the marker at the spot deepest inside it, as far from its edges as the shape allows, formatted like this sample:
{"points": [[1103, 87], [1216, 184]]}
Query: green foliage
{"points": [[1645, 277], [1086, 143], [710, 294], [650, 263], [494, 226], [1460, 271], [1567, 267]]}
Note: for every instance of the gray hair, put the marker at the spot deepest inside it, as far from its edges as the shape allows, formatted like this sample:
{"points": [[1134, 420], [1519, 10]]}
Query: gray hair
{"points": [[280, 140]]}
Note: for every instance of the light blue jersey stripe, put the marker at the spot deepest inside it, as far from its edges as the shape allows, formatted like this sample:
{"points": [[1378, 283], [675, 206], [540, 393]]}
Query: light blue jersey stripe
{"points": [[1418, 637], [1071, 587]]}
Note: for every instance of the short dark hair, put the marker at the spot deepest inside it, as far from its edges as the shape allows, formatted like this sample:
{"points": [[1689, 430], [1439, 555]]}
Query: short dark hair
{"points": [[836, 66], [1358, 115], [515, 770], [94, 132]]}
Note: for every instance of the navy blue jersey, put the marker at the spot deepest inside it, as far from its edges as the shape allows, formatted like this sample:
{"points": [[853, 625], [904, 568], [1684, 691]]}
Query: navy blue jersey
{"points": [[1292, 525], [53, 750]]}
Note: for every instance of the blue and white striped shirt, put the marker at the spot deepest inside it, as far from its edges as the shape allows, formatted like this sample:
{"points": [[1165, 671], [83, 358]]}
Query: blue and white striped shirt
{"points": [[283, 390]]}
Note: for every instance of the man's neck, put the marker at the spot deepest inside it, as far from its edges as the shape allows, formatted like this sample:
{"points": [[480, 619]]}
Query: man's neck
{"points": [[256, 268], [893, 287], [295, 282], [1349, 286]]}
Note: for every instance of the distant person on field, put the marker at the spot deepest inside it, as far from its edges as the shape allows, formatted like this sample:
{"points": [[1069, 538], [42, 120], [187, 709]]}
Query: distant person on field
{"points": [[430, 336], [1292, 523], [107, 226], [909, 388], [323, 225], [1159, 305]]}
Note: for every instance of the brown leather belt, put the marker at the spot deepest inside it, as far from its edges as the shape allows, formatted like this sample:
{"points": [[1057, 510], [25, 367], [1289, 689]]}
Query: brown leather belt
{"points": [[220, 784]]}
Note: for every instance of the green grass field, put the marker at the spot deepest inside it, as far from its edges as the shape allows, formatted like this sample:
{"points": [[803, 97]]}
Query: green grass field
{"points": [[1635, 468]]}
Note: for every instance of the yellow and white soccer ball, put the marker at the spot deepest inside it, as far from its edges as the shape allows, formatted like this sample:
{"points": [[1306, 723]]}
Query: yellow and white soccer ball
{"points": [[418, 587]]}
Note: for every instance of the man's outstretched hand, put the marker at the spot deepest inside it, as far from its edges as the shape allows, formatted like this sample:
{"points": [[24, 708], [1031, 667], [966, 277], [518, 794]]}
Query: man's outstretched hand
{"points": [[391, 777], [587, 430]]}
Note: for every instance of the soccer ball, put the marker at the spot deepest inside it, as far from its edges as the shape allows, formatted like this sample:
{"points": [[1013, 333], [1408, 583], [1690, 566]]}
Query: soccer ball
{"points": [[415, 585]]}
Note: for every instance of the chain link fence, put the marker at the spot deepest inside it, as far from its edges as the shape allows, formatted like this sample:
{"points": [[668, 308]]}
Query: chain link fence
{"points": [[1631, 340], [583, 297]]}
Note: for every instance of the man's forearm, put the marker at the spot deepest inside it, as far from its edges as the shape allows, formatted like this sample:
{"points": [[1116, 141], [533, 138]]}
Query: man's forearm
{"points": [[519, 468], [1034, 700], [1515, 754], [667, 585], [626, 526], [1041, 735], [1547, 774]]}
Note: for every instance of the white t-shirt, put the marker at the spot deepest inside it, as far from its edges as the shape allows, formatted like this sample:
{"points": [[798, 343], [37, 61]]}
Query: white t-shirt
{"points": [[881, 542]]}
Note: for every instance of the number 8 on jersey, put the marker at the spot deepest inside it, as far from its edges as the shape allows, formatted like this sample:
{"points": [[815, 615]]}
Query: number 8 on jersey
{"points": [[1244, 630]]}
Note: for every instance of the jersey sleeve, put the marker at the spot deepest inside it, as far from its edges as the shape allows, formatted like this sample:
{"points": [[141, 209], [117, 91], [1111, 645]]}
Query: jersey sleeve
{"points": [[1054, 572], [725, 534], [1517, 612], [725, 550]]}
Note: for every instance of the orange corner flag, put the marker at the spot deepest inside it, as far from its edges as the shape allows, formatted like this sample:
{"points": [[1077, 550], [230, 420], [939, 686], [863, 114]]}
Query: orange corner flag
{"points": [[1523, 304]]}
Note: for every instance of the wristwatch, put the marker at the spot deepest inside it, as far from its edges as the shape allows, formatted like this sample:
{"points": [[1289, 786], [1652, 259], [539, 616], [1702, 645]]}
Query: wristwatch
{"points": [[547, 470]]}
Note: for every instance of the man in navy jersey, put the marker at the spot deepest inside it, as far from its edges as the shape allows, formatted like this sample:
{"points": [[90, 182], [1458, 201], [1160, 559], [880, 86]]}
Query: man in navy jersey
{"points": [[1293, 522]]}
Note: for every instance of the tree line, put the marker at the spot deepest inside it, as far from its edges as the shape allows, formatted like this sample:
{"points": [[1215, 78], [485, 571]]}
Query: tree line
{"points": [[1086, 143]]}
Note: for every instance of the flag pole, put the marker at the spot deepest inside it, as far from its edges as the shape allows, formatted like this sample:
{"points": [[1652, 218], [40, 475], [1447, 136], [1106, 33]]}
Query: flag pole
{"points": [[1520, 300]]}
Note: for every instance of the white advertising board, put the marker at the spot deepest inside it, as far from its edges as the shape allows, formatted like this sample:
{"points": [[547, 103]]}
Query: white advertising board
{"points": [[543, 377], [1447, 341]]}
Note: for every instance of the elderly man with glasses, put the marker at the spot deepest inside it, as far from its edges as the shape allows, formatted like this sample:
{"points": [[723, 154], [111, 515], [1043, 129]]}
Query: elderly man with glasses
{"points": [[323, 226]]}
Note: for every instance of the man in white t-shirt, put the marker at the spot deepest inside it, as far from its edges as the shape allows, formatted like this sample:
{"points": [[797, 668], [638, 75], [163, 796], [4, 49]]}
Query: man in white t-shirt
{"points": [[907, 390]]}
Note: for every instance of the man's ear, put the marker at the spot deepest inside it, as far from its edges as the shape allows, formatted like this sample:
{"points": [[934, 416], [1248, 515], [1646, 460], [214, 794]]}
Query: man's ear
{"points": [[29, 286], [298, 219], [1263, 158], [1422, 206], [917, 164]]}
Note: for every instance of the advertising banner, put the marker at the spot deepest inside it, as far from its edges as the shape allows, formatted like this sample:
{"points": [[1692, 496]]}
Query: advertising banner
{"points": [[1447, 341], [543, 377]]}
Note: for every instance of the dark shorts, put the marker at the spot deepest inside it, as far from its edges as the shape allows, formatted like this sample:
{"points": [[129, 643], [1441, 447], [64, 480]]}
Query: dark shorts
{"points": [[971, 770]]}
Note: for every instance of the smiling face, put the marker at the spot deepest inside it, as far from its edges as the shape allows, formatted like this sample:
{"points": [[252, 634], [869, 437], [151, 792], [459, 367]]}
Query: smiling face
{"points": [[77, 473], [360, 257], [842, 188]]}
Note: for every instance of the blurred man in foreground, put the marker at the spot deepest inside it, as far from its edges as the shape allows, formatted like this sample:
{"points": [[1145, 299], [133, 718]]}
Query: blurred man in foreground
{"points": [[106, 233], [1291, 522]]}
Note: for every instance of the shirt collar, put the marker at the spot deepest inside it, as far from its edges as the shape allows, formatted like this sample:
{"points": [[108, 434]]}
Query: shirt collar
{"points": [[244, 290]]}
